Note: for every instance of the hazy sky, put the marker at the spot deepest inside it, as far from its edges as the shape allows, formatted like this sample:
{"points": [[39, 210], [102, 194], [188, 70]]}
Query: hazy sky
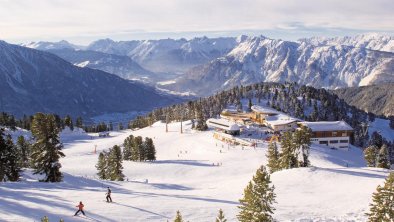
{"points": [[81, 21]]}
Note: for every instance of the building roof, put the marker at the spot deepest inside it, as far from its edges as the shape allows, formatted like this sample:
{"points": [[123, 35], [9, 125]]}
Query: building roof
{"points": [[327, 126], [266, 110], [222, 124], [280, 119]]}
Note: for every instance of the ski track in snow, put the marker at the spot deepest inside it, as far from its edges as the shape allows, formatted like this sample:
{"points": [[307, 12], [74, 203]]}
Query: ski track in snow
{"points": [[184, 178]]}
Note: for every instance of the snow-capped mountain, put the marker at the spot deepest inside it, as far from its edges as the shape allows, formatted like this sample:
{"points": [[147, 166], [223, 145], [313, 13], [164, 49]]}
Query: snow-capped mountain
{"points": [[63, 44], [262, 59], [168, 55], [36, 81], [122, 66], [372, 41]]}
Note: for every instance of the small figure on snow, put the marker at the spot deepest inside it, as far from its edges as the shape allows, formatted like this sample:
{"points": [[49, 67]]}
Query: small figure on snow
{"points": [[109, 199], [80, 208]]}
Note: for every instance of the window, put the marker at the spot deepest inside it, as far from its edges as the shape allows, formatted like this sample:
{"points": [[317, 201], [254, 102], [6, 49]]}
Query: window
{"points": [[323, 142], [344, 141], [334, 133], [333, 141], [344, 134]]}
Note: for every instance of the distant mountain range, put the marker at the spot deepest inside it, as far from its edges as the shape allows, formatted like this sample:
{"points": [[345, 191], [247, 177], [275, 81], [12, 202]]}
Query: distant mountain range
{"points": [[259, 59], [204, 65], [37, 81], [377, 99]]}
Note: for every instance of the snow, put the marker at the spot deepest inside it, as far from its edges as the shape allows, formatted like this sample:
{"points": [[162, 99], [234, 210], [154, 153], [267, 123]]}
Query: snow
{"points": [[382, 127], [327, 125], [186, 177], [265, 110]]}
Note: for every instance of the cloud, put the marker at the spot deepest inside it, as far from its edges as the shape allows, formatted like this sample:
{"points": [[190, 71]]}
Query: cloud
{"points": [[62, 19]]}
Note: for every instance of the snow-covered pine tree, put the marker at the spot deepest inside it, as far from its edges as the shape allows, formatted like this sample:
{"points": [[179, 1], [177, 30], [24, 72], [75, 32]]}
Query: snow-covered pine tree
{"points": [[127, 147], [256, 204], [115, 164], [150, 149], [382, 207], [101, 165], [137, 146], [273, 157], [69, 122], [383, 158], [220, 217], [24, 149], [12, 169], [178, 217], [201, 124], [287, 158], [370, 155], [46, 151]]}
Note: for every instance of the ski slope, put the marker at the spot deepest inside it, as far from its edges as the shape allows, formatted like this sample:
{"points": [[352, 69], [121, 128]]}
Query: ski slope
{"points": [[186, 177]]}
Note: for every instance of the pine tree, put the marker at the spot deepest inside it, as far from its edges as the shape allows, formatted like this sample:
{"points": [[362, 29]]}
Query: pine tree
{"points": [[45, 219], [12, 169], [305, 145], [273, 157], [115, 164], [137, 146], [220, 217], [69, 122], [178, 217], [256, 204], [24, 148], [150, 149], [9, 156], [287, 158], [382, 207], [101, 166], [3, 155], [383, 158], [46, 151], [79, 122], [370, 155], [127, 147]]}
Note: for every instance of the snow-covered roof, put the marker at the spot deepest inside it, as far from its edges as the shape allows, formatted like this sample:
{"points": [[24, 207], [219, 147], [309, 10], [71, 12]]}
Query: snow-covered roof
{"points": [[223, 124], [266, 110], [280, 119], [327, 125]]}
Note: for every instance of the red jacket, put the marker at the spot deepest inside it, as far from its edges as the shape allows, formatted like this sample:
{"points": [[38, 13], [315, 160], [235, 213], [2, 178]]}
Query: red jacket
{"points": [[80, 206]]}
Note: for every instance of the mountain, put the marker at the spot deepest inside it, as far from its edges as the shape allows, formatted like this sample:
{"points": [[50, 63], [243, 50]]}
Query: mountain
{"points": [[41, 45], [37, 81], [122, 66], [259, 59], [168, 55], [377, 99], [372, 41]]}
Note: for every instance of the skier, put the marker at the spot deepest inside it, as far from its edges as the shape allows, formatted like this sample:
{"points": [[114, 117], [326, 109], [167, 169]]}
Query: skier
{"points": [[80, 208], [109, 199]]}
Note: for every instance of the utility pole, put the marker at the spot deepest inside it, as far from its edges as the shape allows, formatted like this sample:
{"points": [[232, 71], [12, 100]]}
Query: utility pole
{"points": [[181, 124], [166, 123]]}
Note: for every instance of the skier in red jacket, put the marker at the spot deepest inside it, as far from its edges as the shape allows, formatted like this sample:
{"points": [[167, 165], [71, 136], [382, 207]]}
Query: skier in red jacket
{"points": [[80, 208]]}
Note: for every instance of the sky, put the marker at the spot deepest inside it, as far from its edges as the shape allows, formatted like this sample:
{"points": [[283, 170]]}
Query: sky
{"points": [[83, 21]]}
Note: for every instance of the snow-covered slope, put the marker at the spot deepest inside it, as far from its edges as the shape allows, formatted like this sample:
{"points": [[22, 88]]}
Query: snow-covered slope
{"points": [[35, 81], [372, 41], [168, 55], [262, 59], [184, 178]]}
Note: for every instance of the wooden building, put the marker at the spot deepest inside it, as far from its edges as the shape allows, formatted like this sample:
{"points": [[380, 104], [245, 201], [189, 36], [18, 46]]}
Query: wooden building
{"points": [[334, 134]]}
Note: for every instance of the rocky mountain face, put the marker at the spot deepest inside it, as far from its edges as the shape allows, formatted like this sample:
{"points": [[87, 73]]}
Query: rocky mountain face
{"points": [[372, 41], [36, 81], [377, 99], [122, 66], [168, 55], [63, 44], [262, 59]]}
